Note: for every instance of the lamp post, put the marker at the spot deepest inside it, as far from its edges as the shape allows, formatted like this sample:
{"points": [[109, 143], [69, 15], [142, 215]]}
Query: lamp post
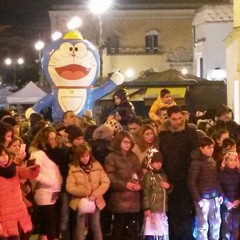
{"points": [[99, 7], [14, 63], [39, 45]]}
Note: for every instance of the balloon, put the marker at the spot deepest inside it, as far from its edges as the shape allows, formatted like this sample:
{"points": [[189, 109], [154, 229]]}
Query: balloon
{"points": [[71, 65]]}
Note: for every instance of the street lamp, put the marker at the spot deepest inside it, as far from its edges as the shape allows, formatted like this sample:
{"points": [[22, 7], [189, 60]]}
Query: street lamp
{"points": [[56, 35], [74, 23], [39, 45], [9, 62], [99, 7]]}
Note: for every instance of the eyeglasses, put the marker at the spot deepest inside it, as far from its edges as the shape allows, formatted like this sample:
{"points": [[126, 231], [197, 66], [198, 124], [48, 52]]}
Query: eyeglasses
{"points": [[127, 142]]}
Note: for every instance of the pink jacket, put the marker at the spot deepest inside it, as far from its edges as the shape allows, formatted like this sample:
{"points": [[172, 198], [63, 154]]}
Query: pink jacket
{"points": [[13, 211]]}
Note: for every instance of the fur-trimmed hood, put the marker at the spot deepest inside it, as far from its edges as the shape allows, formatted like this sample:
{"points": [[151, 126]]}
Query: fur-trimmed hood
{"points": [[166, 126]]}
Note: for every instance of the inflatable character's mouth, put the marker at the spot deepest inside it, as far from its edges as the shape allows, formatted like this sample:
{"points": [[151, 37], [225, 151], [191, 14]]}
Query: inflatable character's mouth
{"points": [[72, 71]]}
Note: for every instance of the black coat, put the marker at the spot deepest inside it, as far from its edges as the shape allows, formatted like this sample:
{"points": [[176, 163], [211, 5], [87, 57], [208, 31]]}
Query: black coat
{"points": [[229, 180]]}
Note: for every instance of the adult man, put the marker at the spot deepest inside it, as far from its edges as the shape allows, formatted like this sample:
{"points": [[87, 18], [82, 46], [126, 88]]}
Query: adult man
{"points": [[70, 118], [177, 141], [134, 125]]}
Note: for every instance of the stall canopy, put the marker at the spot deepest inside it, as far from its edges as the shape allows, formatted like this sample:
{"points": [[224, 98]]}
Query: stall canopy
{"points": [[29, 94]]}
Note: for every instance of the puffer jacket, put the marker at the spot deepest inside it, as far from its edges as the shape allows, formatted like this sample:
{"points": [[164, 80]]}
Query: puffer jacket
{"points": [[155, 197], [120, 169], [81, 184], [49, 180], [13, 211], [202, 180]]}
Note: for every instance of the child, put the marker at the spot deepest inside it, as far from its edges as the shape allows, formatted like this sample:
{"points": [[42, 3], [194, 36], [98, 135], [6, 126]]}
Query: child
{"points": [[154, 201], [13, 212], [229, 179], [205, 190], [87, 179], [165, 100], [124, 170]]}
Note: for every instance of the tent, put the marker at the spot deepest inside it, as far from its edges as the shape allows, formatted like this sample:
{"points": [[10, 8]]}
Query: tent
{"points": [[29, 94]]}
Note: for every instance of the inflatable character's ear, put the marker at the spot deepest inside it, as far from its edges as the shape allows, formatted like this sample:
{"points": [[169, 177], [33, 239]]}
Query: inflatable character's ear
{"points": [[117, 78]]}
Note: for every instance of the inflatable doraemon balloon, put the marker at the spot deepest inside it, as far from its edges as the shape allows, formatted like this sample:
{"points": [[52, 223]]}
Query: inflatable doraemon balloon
{"points": [[71, 65]]}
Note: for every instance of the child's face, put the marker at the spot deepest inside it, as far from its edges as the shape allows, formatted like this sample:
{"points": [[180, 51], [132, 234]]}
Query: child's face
{"points": [[207, 150], [231, 162], [117, 100], [15, 147], [157, 165], [8, 138], [4, 158], [126, 144], [84, 159], [167, 98]]}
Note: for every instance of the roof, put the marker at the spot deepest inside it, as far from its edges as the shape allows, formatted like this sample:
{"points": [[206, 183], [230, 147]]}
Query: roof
{"points": [[30, 94], [168, 78]]}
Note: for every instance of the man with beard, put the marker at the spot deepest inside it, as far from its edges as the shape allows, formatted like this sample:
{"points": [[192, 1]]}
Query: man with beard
{"points": [[176, 141]]}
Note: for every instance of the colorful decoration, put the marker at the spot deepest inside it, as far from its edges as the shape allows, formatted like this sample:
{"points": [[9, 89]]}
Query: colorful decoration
{"points": [[71, 65]]}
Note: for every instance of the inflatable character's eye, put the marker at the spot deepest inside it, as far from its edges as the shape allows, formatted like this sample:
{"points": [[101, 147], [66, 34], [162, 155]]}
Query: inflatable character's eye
{"points": [[80, 49], [66, 49]]}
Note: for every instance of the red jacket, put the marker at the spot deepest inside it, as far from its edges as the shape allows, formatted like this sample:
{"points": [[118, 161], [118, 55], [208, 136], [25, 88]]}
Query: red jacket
{"points": [[13, 211]]}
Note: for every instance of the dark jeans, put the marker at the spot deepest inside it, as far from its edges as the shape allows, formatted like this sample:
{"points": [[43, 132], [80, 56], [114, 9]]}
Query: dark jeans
{"points": [[125, 226]]}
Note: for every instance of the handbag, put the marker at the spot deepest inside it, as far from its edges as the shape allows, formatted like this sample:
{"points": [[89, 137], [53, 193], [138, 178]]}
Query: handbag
{"points": [[86, 206]]}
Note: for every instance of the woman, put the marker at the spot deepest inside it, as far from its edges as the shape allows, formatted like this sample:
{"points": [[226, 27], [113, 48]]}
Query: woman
{"points": [[48, 182], [147, 140]]}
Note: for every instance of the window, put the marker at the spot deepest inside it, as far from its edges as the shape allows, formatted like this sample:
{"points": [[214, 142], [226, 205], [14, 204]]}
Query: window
{"points": [[113, 44], [151, 41]]}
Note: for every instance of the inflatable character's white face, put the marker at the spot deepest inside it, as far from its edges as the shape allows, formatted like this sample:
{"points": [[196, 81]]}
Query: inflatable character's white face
{"points": [[73, 63]]}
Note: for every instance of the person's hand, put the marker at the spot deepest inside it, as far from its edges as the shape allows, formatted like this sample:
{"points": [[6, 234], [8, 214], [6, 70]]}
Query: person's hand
{"points": [[110, 117], [20, 157], [236, 203], [165, 185], [147, 213], [201, 203], [229, 205], [133, 186], [92, 198], [220, 200]]}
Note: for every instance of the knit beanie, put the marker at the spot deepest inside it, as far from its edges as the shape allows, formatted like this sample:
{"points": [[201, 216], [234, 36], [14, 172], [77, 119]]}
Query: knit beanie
{"points": [[157, 157], [228, 154], [115, 125], [74, 132], [59, 126], [103, 132]]}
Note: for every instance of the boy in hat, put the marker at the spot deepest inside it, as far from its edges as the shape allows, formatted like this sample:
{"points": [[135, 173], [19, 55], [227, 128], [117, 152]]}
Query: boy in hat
{"points": [[75, 135], [154, 203]]}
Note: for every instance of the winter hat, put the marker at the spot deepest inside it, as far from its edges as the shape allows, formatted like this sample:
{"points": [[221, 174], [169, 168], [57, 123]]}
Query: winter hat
{"points": [[59, 126], [115, 125], [103, 132], [35, 117], [74, 132], [10, 120], [156, 157], [228, 154]]}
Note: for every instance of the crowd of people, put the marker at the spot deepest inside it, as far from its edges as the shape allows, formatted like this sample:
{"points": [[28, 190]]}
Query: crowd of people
{"points": [[161, 178]]}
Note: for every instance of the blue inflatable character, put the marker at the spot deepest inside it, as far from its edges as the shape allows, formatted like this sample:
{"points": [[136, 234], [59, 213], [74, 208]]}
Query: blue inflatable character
{"points": [[71, 65]]}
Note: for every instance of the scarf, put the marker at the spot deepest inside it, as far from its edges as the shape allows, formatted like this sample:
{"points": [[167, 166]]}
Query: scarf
{"points": [[86, 167], [9, 171]]}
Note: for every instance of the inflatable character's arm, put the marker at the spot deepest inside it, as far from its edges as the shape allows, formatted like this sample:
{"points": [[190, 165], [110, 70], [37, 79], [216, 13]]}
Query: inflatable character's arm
{"points": [[38, 106], [116, 79]]}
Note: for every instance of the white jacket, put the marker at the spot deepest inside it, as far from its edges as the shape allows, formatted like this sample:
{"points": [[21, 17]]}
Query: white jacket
{"points": [[49, 180]]}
